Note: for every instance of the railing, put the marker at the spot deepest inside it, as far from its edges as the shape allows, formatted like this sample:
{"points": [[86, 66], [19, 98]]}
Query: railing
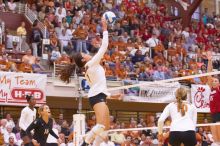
{"points": [[31, 16], [20, 8], [2, 30]]}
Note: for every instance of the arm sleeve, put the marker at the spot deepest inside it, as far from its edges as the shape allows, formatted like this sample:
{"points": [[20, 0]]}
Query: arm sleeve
{"points": [[22, 120], [162, 118], [53, 134], [97, 58], [32, 126]]}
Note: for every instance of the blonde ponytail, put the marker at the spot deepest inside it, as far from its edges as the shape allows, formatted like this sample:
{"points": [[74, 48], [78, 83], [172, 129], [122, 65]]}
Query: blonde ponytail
{"points": [[181, 94]]}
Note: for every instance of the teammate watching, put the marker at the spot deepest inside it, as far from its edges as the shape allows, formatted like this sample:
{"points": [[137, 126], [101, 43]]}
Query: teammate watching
{"points": [[184, 119], [28, 115]]}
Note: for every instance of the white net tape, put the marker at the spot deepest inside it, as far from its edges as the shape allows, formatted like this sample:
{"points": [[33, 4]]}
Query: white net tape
{"points": [[165, 81], [155, 128]]}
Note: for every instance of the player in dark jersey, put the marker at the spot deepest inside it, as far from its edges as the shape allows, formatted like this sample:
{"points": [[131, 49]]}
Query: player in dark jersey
{"points": [[214, 85], [42, 126]]}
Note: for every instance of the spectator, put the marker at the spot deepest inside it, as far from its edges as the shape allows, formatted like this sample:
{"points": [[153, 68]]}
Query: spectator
{"points": [[65, 128], [96, 43], [64, 40], [30, 59], [21, 31], [12, 6], [152, 43], [62, 137], [64, 59], [25, 67], [118, 137], [38, 68], [106, 141], [60, 119], [3, 126], [81, 35], [128, 141], [35, 38], [9, 134], [2, 6], [9, 120], [55, 55], [12, 142]]}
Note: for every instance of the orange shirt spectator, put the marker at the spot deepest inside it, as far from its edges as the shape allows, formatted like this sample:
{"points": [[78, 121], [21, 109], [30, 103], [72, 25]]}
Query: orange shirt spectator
{"points": [[80, 32], [159, 48]]}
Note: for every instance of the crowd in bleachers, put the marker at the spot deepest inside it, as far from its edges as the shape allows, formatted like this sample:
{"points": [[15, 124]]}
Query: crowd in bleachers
{"points": [[10, 132], [144, 43]]}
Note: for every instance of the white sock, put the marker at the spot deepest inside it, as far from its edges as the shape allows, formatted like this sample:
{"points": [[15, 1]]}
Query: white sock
{"points": [[96, 130]]}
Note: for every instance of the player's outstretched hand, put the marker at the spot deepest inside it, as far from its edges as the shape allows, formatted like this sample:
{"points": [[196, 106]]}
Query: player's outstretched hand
{"points": [[104, 24]]}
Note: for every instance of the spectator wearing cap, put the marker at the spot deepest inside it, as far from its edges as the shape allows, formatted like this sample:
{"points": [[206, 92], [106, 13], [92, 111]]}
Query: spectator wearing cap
{"points": [[96, 43]]}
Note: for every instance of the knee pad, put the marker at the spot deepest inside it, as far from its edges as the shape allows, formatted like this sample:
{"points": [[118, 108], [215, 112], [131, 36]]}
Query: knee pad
{"points": [[96, 130]]}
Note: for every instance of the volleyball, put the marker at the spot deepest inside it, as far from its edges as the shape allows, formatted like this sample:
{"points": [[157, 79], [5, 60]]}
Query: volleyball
{"points": [[110, 17]]}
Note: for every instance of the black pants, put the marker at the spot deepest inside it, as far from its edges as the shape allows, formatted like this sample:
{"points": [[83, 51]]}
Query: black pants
{"points": [[101, 97], [188, 138]]}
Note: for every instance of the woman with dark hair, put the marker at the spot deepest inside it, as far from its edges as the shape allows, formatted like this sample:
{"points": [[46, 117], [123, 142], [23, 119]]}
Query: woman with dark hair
{"points": [[95, 75], [214, 104], [42, 126], [184, 118]]}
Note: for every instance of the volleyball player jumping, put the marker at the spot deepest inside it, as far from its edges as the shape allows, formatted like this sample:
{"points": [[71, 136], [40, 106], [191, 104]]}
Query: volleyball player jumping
{"points": [[184, 118], [95, 75]]}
